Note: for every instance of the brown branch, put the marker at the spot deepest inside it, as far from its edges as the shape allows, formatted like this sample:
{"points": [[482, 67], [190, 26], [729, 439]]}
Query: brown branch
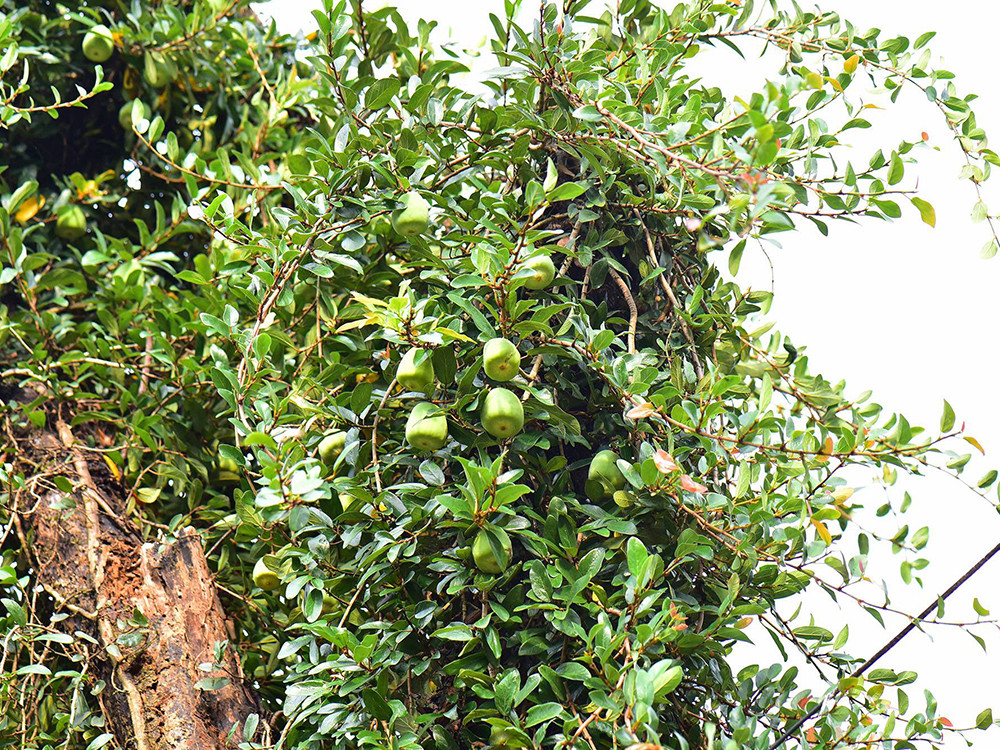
{"points": [[633, 311]]}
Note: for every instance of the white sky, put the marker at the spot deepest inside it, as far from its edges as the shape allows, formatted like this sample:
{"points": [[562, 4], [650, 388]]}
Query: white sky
{"points": [[901, 309]]}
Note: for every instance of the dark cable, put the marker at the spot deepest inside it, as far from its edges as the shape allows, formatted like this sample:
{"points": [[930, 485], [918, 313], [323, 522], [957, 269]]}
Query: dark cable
{"points": [[896, 639]]}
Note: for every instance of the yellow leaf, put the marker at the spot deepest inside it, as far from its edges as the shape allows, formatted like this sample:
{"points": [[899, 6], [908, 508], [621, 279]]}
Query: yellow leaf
{"points": [[112, 467], [448, 333], [821, 529], [29, 208], [851, 63], [744, 622], [972, 441], [815, 80], [841, 494], [826, 451], [352, 324]]}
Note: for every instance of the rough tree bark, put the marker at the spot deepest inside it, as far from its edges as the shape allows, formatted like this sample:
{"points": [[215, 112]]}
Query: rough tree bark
{"points": [[96, 567]]}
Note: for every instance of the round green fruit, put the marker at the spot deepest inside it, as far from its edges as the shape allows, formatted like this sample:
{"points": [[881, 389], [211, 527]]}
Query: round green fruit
{"points": [[501, 360], [482, 554], [543, 271], [502, 414], [413, 218], [71, 224], [125, 114], [427, 427], [329, 604], [228, 470], [380, 226], [98, 44], [604, 478], [500, 739], [157, 70], [347, 501], [264, 577], [331, 446], [414, 376]]}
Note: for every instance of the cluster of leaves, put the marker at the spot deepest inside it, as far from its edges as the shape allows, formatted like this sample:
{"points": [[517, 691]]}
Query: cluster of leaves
{"points": [[241, 293]]}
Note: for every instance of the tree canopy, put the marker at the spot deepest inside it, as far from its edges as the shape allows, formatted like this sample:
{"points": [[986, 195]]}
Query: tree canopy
{"points": [[251, 277]]}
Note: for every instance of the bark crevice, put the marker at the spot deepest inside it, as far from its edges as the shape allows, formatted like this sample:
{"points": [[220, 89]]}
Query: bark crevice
{"points": [[152, 605]]}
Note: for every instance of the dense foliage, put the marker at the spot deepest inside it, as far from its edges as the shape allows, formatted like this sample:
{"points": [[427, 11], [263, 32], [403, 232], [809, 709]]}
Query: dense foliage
{"points": [[246, 284]]}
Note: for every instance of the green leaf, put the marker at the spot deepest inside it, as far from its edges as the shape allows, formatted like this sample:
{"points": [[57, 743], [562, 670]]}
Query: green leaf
{"points": [[211, 683], [895, 169], [40, 669], [587, 113], [381, 92], [431, 473], [454, 633], [947, 418], [542, 713], [505, 691], [551, 176], [101, 740], [376, 704], [637, 554]]}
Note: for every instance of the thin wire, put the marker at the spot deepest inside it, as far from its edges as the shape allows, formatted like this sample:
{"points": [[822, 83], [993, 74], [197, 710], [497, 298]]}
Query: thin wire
{"points": [[895, 640]]}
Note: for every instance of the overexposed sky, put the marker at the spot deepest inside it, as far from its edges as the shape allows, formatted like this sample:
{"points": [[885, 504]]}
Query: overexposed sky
{"points": [[901, 309]]}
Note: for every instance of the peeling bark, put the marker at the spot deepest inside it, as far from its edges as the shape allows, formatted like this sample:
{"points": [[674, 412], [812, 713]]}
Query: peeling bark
{"points": [[98, 569]]}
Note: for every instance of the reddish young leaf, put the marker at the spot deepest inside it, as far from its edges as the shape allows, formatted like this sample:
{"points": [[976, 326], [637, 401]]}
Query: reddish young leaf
{"points": [[665, 462], [641, 411], [687, 483]]}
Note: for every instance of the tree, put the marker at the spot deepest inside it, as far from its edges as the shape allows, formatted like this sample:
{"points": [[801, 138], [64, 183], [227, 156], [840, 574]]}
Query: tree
{"points": [[182, 568]]}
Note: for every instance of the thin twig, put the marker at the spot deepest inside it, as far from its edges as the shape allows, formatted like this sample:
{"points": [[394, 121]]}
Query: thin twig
{"points": [[651, 249]]}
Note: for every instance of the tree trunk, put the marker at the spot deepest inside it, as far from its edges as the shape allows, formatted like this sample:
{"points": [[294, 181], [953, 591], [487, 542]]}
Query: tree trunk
{"points": [[151, 605]]}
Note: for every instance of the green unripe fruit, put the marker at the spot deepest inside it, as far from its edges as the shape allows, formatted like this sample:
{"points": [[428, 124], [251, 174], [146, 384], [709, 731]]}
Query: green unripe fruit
{"points": [[229, 470], [502, 414], [504, 738], [329, 604], [347, 501], [380, 226], [98, 44], [427, 427], [413, 218], [501, 360], [331, 446], [604, 478], [157, 70], [264, 577], [125, 114], [542, 269], [71, 224], [414, 376], [482, 554]]}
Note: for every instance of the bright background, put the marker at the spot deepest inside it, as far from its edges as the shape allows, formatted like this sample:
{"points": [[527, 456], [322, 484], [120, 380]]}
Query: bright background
{"points": [[901, 309]]}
